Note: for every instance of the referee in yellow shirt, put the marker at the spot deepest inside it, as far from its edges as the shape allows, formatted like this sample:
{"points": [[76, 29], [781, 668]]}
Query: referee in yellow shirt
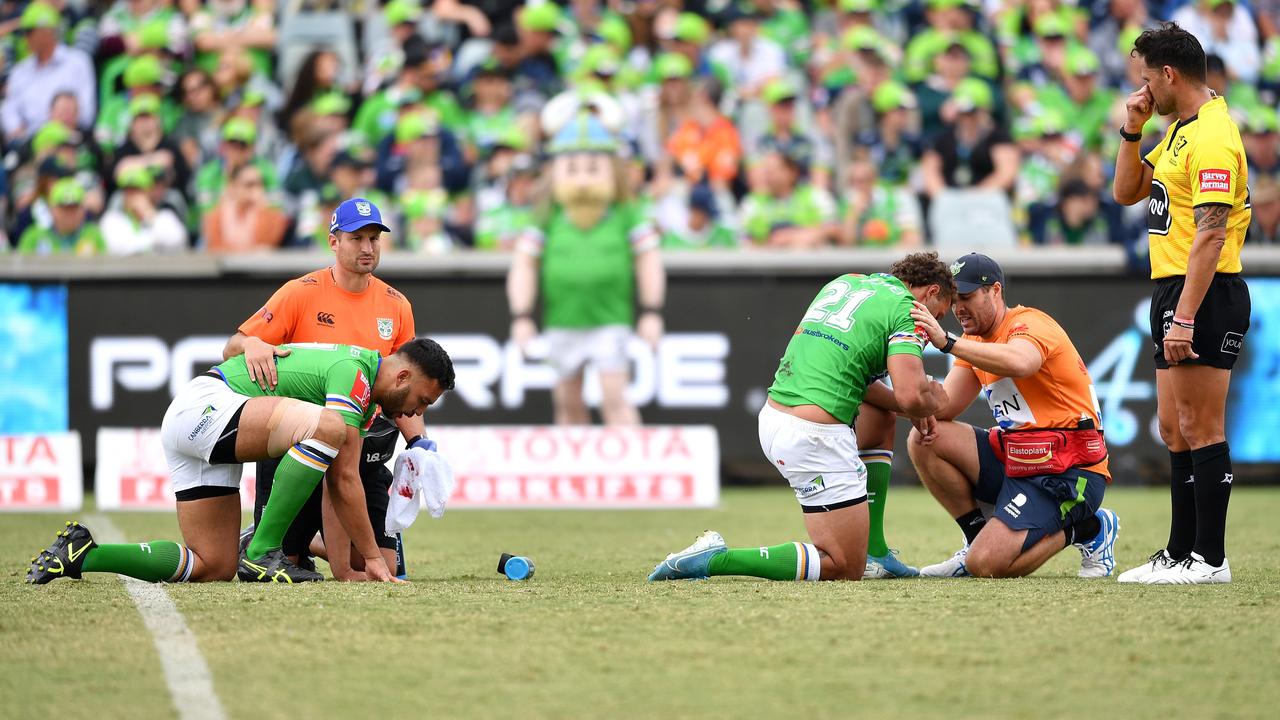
{"points": [[1196, 185]]}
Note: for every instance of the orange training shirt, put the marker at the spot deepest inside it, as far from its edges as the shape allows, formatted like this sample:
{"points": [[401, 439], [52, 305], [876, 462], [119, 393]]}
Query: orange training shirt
{"points": [[313, 308], [1056, 396]]}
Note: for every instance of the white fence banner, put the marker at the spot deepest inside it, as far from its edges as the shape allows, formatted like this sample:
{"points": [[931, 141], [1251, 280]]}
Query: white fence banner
{"points": [[41, 472], [538, 466], [132, 473]]}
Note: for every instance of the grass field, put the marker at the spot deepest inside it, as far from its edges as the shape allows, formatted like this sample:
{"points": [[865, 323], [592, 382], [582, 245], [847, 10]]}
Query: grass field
{"points": [[588, 637]]}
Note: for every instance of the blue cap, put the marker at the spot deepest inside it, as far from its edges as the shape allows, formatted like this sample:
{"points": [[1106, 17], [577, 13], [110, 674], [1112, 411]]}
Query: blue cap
{"points": [[975, 270], [354, 214], [702, 198]]}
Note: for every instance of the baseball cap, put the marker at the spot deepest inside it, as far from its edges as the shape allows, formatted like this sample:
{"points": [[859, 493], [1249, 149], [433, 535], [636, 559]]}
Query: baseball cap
{"points": [[39, 15], [135, 177], [859, 6], [67, 191], [352, 157], [402, 11], [252, 98], [702, 198], [1261, 120], [974, 271], [688, 27], [601, 60], [1051, 25], [144, 104], [778, 90], [673, 66], [415, 126], [154, 35], [861, 37], [143, 70], [493, 69], [354, 214], [614, 30], [543, 17], [1082, 61], [331, 103], [892, 95], [972, 94], [425, 203], [240, 130], [49, 136]]}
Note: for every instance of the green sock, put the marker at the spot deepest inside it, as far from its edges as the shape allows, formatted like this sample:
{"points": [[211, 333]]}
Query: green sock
{"points": [[879, 468], [789, 561], [155, 561], [299, 472]]}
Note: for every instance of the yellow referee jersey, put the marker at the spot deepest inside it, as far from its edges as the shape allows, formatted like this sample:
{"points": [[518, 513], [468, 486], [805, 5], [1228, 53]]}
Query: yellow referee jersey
{"points": [[1200, 162]]}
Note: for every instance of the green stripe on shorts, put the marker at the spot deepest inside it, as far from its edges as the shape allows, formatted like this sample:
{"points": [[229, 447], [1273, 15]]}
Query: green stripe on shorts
{"points": [[1067, 505]]}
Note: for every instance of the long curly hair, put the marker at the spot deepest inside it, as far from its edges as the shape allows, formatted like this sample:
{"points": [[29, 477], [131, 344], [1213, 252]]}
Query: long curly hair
{"points": [[924, 268]]}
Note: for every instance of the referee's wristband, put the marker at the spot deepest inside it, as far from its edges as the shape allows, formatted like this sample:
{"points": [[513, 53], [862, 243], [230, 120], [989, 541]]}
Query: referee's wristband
{"points": [[1130, 137]]}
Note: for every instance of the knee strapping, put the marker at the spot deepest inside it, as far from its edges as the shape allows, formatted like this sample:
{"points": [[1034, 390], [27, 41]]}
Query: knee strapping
{"points": [[292, 422]]}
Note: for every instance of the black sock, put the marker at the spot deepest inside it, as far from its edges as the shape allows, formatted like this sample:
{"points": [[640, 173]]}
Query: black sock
{"points": [[971, 523], [1085, 530], [1213, 492], [1182, 501]]}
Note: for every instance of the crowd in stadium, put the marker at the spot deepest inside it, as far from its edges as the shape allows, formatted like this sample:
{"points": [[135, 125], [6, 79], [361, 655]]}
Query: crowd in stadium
{"points": [[141, 126]]}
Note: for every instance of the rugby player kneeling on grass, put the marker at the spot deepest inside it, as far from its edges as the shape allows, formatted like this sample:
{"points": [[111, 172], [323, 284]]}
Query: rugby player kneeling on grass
{"points": [[1044, 467], [326, 396], [858, 329]]}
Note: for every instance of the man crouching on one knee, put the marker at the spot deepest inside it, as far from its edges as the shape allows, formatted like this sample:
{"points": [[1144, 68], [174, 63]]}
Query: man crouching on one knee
{"points": [[1044, 467]]}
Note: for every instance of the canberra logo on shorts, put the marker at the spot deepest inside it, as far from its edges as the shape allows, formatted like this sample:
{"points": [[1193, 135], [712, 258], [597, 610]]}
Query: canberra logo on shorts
{"points": [[1215, 181], [814, 487]]}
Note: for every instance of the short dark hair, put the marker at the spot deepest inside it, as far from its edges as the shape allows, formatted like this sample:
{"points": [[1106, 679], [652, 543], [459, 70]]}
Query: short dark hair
{"points": [[923, 269], [1171, 45], [431, 359]]}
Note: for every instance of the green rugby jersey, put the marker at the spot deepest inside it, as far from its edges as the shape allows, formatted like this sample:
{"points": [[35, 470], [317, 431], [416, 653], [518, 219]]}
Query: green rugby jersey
{"points": [[844, 341], [337, 377]]}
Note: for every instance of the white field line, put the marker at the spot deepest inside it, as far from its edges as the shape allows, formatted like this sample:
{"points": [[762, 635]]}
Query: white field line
{"points": [[185, 670]]}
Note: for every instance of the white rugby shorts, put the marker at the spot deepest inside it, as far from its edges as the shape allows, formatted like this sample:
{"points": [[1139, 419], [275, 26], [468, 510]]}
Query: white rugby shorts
{"points": [[820, 461], [192, 425], [569, 350]]}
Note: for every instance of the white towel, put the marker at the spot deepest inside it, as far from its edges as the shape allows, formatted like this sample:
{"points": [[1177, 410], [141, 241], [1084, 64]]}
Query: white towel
{"points": [[421, 477]]}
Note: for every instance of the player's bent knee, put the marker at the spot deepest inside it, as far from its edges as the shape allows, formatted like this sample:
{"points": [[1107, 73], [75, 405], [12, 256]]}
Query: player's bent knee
{"points": [[331, 428], [218, 570]]}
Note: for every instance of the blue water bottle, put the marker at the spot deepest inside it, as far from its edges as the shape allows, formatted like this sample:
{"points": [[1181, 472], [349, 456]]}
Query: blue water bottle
{"points": [[515, 567]]}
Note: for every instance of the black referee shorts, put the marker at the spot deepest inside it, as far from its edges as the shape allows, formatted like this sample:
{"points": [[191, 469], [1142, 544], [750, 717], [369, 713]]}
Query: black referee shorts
{"points": [[378, 447], [1221, 322]]}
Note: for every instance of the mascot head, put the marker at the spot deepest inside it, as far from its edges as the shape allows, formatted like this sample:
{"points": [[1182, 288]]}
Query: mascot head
{"points": [[585, 174]]}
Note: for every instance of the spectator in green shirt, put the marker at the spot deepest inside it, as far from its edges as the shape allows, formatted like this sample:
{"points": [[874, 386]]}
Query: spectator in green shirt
{"points": [[498, 228], [785, 211], [69, 232], [236, 148]]}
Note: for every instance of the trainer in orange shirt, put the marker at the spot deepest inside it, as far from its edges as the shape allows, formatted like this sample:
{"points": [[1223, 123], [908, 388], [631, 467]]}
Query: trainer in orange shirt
{"points": [[1043, 467], [342, 304]]}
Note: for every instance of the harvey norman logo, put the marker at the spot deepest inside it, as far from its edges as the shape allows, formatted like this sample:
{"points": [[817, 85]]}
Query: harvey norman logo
{"points": [[1215, 181]]}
